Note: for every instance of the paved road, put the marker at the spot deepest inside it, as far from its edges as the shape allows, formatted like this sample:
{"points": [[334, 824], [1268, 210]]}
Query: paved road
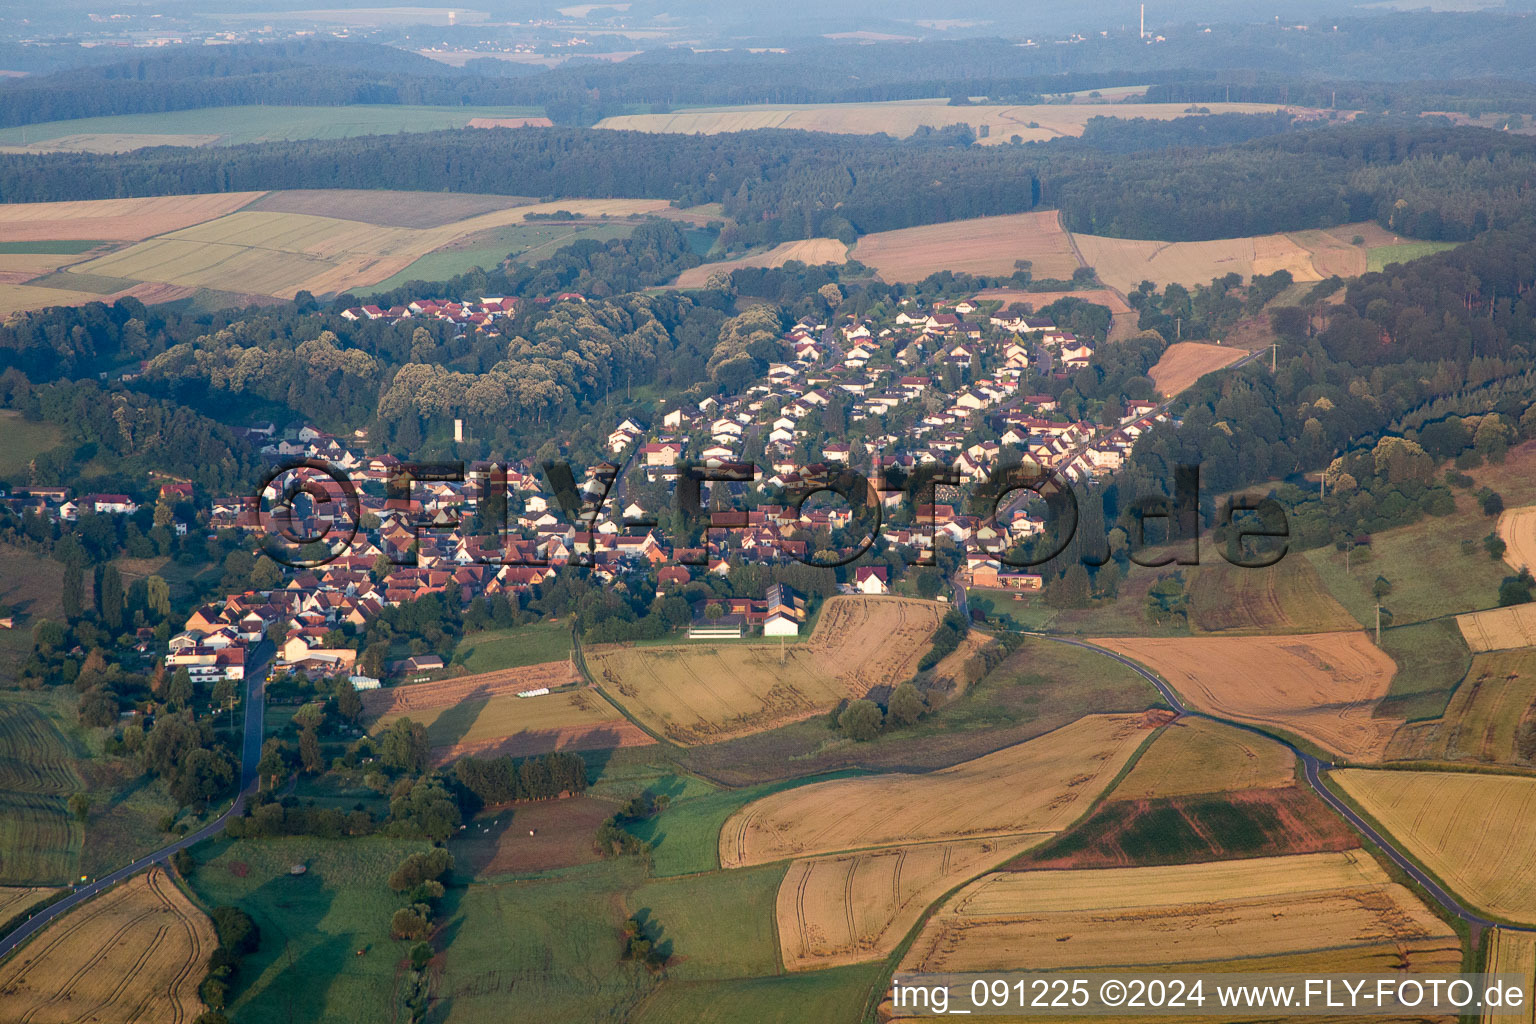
{"points": [[255, 705], [1312, 768]]}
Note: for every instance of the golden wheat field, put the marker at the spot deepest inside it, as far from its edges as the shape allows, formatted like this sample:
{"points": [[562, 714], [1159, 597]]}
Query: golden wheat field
{"points": [[1197, 755], [900, 118], [810, 251], [1124, 263], [703, 692], [1475, 832], [1322, 686], [123, 220], [849, 908], [136, 953], [1221, 911], [982, 245], [1513, 953], [1041, 785], [1185, 362], [1499, 629]]}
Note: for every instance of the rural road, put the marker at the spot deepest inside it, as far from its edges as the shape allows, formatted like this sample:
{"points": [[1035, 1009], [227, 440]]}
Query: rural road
{"points": [[255, 706], [1312, 768]]}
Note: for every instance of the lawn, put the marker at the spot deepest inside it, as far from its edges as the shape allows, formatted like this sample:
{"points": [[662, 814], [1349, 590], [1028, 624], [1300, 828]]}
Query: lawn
{"points": [[234, 125], [24, 439], [1379, 258], [487, 249], [513, 648], [312, 925]]}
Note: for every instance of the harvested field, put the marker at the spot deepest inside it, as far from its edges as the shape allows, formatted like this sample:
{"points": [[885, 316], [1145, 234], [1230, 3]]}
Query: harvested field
{"points": [[1039, 300], [983, 245], [1513, 953], [124, 220], [520, 726], [1192, 829], [137, 953], [702, 693], [1033, 787], [1517, 528], [1287, 597], [1499, 629], [15, 298], [900, 118], [109, 142], [415, 698], [1185, 362], [1321, 686], [1490, 713], [529, 837], [1475, 832], [1197, 755], [510, 122], [1123, 263], [810, 251], [1221, 911], [386, 207], [855, 907]]}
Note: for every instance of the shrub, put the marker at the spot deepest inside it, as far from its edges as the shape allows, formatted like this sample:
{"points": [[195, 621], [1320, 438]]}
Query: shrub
{"points": [[861, 721]]}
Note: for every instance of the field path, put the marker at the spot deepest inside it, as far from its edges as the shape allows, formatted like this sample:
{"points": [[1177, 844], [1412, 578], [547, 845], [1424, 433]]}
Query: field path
{"points": [[1312, 769]]}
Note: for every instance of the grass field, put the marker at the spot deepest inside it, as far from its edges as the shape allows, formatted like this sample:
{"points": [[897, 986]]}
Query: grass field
{"points": [[1322, 686], [229, 126], [1221, 911], [1475, 832], [24, 440], [855, 907], [40, 840], [1288, 597], [1513, 953], [531, 837], [1185, 362], [703, 693], [1431, 660], [312, 925], [716, 925], [1430, 574], [901, 118], [839, 994], [1197, 755], [984, 245], [1123, 263], [490, 725], [1486, 719], [810, 251], [495, 649], [1381, 257], [1034, 787], [138, 952]]}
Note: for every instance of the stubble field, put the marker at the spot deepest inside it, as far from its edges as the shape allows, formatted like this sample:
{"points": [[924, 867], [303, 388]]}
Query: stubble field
{"points": [[1123, 263], [1185, 362], [1513, 953], [1517, 528], [703, 693], [1473, 831], [1287, 597], [1499, 629], [810, 251], [855, 907], [136, 953], [1220, 911], [1034, 787], [1324, 687], [415, 698]]}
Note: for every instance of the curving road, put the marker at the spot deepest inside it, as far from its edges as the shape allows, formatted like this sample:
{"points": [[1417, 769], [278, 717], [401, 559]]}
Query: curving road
{"points": [[1312, 769], [255, 705]]}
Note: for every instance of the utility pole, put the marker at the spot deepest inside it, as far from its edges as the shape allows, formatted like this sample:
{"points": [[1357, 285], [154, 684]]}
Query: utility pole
{"points": [[1178, 328], [1378, 624], [1274, 349]]}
